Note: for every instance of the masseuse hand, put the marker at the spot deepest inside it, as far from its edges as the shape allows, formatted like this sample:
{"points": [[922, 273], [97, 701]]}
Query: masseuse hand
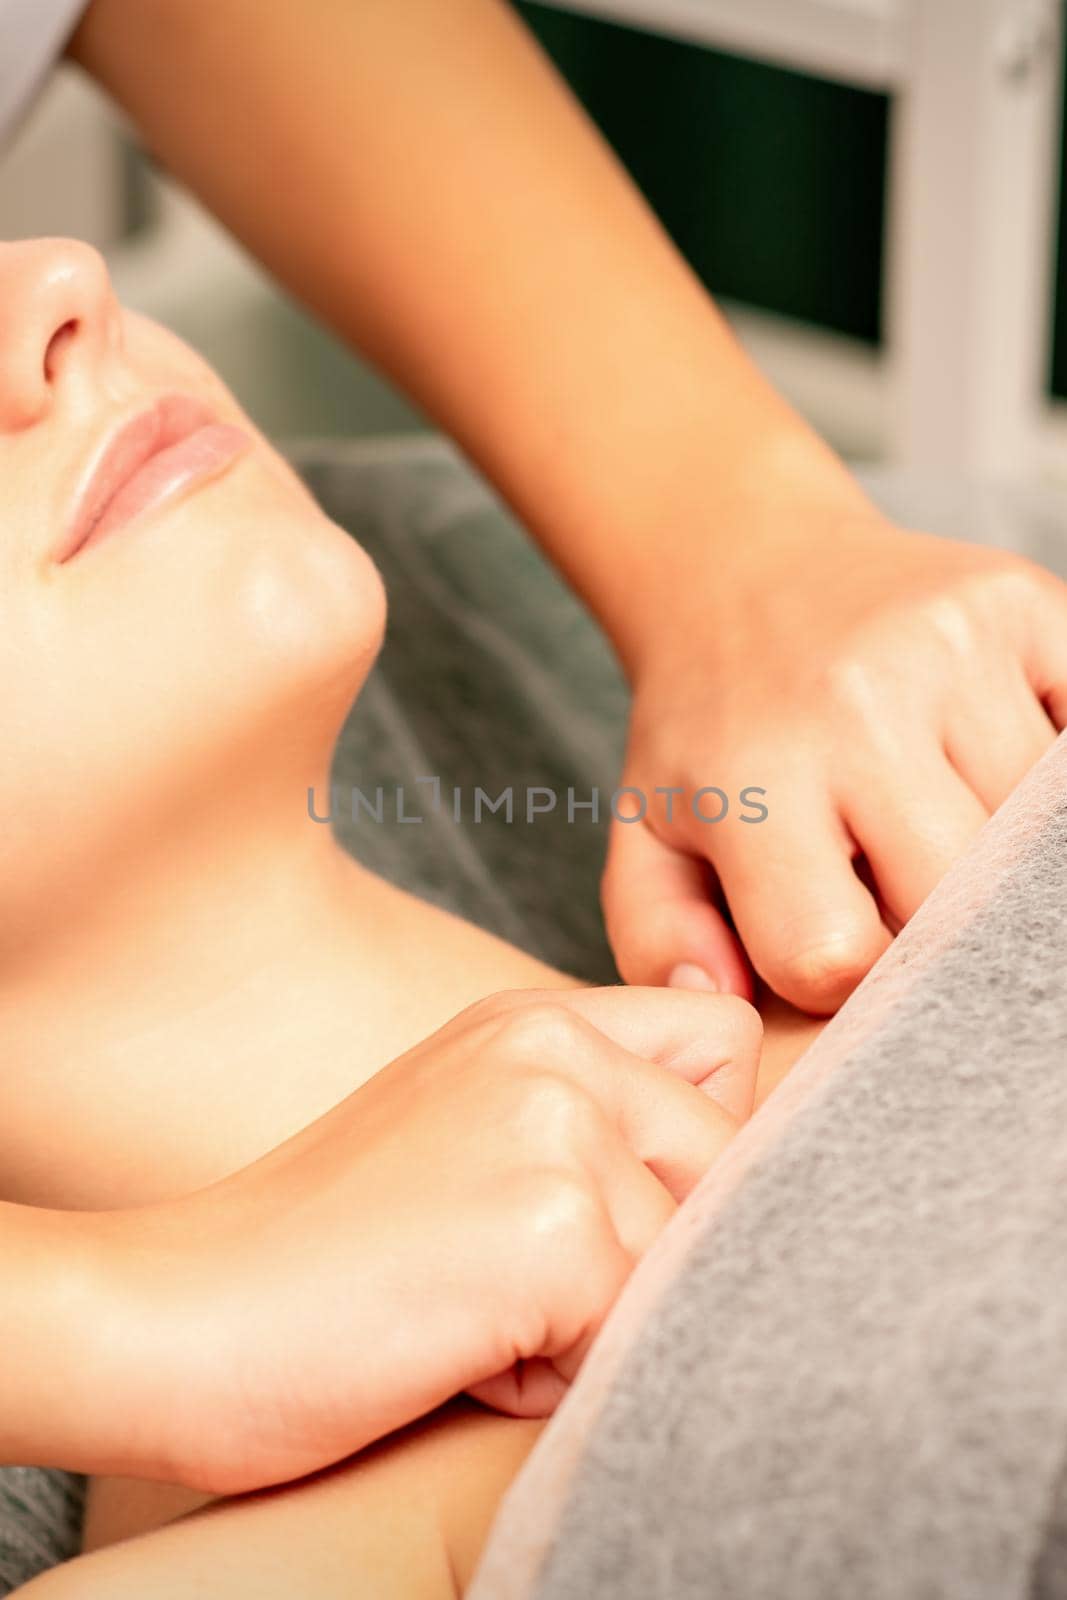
{"points": [[886, 689], [464, 1221]]}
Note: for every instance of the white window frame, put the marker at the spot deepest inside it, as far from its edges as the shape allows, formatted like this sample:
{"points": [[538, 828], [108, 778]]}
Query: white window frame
{"points": [[974, 127]]}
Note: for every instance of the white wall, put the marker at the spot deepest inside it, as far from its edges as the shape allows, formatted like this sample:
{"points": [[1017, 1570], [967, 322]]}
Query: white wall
{"points": [[64, 173]]}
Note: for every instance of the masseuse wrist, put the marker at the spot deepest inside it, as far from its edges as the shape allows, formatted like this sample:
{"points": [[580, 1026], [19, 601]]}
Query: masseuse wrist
{"points": [[180, 1325], [110, 1363], [734, 525], [224, 1340], [68, 1388]]}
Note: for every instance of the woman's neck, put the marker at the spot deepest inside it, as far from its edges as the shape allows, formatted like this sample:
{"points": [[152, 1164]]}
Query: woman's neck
{"points": [[191, 985], [222, 995]]}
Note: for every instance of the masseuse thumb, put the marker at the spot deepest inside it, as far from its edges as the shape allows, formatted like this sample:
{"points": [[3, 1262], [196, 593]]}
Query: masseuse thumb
{"points": [[662, 922]]}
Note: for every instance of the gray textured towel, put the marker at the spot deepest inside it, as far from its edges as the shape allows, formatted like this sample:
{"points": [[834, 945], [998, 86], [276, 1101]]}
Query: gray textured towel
{"points": [[40, 1519]]}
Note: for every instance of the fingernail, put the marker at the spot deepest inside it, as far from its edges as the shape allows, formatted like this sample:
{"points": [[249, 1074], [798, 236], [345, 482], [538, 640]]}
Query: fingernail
{"points": [[687, 975]]}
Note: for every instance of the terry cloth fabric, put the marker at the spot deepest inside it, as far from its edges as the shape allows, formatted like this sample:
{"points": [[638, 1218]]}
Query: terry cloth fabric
{"points": [[32, 36]]}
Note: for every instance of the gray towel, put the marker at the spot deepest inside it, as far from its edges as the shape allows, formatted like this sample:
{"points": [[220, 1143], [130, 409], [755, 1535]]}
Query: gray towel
{"points": [[40, 1521]]}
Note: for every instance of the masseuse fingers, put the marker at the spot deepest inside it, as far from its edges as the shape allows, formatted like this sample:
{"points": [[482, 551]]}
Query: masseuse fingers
{"points": [[637, 1208], [911, 826], [992, 766], [640, 1209], [661, 919], [810, 926], [606, 1229], [669, 1125], [528, 1389], [1043, 644], [707, 1039], [616, 1140]]}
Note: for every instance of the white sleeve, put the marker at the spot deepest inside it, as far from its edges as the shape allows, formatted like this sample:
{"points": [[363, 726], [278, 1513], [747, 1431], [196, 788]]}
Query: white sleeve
{"points": [[32, 35]]}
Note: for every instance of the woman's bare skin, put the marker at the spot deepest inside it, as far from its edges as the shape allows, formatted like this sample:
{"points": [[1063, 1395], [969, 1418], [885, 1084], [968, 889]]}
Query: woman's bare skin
{"points": [[407, 1518]]}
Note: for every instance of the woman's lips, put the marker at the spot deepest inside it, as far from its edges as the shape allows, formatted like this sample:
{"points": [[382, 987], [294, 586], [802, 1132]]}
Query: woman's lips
{"points": [[176, 445]]}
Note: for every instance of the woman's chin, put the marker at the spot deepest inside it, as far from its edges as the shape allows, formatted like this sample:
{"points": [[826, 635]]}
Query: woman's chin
{"points": [[306, 607]]}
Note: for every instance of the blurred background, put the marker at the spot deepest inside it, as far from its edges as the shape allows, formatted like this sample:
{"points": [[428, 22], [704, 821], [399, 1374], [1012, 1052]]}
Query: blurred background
{"points": [[874, 189]]}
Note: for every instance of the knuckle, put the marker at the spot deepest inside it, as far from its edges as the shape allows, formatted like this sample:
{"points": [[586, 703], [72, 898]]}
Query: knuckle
{"points": [[1023, 598], [1008, 580], [560, 1208], [491, 1006], [540, 1031], [956, 621], [564, 1121], [977, 605], [853, 684]]}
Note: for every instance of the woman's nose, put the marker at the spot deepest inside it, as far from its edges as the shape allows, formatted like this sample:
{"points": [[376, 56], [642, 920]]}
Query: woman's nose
{"points": [[59, 321]]}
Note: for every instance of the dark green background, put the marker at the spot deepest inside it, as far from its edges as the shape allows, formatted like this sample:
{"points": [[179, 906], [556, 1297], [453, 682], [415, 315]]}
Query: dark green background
{"points": [[771, 182]]}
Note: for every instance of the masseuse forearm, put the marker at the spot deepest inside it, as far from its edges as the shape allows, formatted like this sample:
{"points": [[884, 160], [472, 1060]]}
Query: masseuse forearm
{"points": [[416, 171], [58, 1405]]}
